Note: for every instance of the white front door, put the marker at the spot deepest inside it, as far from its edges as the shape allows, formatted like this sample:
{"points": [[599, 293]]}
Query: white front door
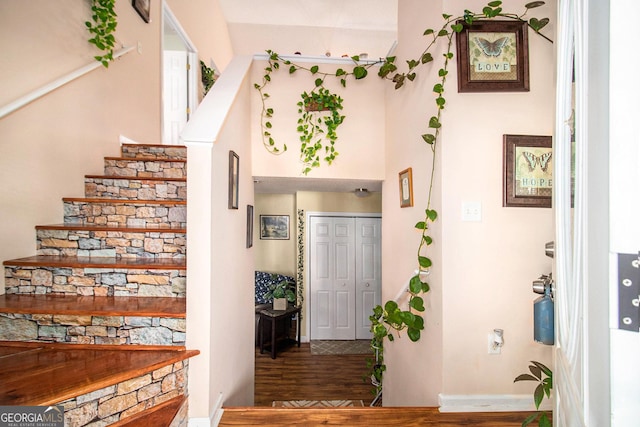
{"points": [[344, 276]]}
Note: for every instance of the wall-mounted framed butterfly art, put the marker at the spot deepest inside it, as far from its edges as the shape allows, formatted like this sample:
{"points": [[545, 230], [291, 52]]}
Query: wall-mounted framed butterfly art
{"points": [[528, 171], [493, 56]]}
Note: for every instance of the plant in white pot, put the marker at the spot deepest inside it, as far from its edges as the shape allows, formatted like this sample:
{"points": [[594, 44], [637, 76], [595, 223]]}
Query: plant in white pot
{"points": [[282, 293]]}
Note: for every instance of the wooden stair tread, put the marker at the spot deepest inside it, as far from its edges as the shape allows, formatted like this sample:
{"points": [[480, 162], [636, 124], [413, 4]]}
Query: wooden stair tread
{"points": [[123, 228], [99, 262], [367, 416], [93, 305], [124, 201], [158, 416], [140, 178], [46, 375]]}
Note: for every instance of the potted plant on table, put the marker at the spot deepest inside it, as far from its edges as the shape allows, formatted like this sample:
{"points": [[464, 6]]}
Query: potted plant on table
{"points": [[282, 293]]}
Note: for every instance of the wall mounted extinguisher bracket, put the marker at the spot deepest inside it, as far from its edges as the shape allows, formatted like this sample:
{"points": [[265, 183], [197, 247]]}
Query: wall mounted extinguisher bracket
{"points": [[543, 330]]}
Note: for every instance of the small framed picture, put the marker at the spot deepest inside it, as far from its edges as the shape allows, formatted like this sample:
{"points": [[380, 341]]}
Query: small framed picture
{"points": [[249, 226], [405, 179], [274, 227], [493, 56], [234, 176], [528, 171], [143, 7]]}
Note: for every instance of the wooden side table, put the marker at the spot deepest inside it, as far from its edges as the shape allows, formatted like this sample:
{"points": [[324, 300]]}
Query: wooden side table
{"points": [[274, 317]]}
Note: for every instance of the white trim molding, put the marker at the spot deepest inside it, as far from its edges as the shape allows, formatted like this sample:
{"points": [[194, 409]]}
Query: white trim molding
{"points": [[489, 403], [214, 417]]}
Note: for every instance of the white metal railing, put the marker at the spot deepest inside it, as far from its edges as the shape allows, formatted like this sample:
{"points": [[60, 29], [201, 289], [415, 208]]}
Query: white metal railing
{"points": [[50, 87]]}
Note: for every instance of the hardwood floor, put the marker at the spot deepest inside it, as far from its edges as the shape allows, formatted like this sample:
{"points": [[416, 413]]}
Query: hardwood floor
{"points": [[296, 374]]}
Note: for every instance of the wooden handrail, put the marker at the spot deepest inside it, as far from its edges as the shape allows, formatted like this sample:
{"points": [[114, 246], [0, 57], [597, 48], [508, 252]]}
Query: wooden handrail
{"points": [[50, 87]]}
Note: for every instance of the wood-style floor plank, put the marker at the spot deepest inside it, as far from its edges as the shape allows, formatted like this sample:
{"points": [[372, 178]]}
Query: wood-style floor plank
{"points": [[93, 305], [46, 375]]}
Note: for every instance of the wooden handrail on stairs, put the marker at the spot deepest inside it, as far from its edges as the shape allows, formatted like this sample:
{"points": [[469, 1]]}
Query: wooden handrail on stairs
{"points": [[50, 87]]}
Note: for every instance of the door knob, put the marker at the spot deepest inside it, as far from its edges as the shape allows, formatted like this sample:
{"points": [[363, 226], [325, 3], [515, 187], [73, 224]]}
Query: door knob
{"points": [[367, 285]]}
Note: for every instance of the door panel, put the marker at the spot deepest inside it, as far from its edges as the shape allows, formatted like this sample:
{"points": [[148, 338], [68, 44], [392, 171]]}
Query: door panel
{"points": [[175, 92], [344, 277]]}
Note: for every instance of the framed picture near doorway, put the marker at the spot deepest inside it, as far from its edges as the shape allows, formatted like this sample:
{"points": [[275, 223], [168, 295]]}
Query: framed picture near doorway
{"points": [[527, 171], [493, 56], [274, 227], [405, 180], [143, 7], [234, 177]]}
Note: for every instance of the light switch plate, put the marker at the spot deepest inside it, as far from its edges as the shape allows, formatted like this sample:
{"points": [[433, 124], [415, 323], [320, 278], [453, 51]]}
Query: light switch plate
{"points": [[472, 211]]}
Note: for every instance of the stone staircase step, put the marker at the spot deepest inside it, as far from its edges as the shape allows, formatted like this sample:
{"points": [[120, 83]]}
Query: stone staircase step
{"points": [[93, 320], [172, 413], [145, 167], [94, 385], [97, 276], [105, 241], [160, 151], [119, 212], [152, 188]]}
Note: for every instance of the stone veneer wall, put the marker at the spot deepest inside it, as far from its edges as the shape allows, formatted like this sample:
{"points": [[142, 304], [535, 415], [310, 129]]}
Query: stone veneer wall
{"points": [[88, 329], [95, 281], [140, 168], [111, 404], [148, 244], [154, 151]]}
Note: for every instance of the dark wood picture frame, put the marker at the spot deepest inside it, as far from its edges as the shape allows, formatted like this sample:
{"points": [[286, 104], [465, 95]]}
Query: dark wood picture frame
{"points": [[486, 56], [234, 179], [249, 226], [405, 182], [143, 7], [527, 171], [274, 227]]}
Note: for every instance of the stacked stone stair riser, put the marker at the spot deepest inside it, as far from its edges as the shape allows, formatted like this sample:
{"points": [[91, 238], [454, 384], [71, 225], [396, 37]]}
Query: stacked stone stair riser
{"points": [[147, 244], [145, 168], [111, 404], [95, 281], [135, 188], [170, 214]]}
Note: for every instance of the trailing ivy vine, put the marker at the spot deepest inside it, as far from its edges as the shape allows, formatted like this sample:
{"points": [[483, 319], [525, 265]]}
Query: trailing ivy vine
{"points": [[389, 320], [102, 26]]}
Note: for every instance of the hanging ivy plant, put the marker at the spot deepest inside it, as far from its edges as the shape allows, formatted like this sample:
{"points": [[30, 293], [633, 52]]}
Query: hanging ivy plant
{"points": [[320, 110], [319, 120], [208, 77], [102, 26]]}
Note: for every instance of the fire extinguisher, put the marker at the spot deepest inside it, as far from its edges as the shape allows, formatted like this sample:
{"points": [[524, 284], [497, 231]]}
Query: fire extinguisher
{"points": [[543, 329]]}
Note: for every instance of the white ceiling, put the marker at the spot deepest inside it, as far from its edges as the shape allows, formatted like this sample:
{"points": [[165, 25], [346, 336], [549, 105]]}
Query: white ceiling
{"points": [[314, 28]]}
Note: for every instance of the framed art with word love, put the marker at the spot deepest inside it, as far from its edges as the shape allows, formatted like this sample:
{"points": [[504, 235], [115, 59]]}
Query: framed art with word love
{"points": [[528, 171], [493, 56]]}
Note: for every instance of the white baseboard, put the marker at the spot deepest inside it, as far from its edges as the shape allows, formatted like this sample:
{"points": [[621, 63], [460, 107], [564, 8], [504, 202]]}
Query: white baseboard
{"points": [[489, 403], [214, 417]]}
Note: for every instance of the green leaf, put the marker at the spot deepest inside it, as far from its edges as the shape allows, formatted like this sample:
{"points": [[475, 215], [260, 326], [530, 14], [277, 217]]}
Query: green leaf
{"points": [[360, 72], [411, 76], [443, 33], [494, 3], [413, 334], [340, 72], [543, 368], [538, 395], [534, 4], [525, 377], [544, 420], [390, 306], [529, 419], [427, 240], [429, 138], [536, 371], [417, 303], [446, 16], [431, 214], [434, 123], [318, 82], [426, 58], [424, 262], [415, 285], [428, 31], [421, 225], [538, 24], [487, 11], [457, 28], [314, 69], [442, 72], [438, 88], [268, 125], [440, 101], [292, 69]]}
